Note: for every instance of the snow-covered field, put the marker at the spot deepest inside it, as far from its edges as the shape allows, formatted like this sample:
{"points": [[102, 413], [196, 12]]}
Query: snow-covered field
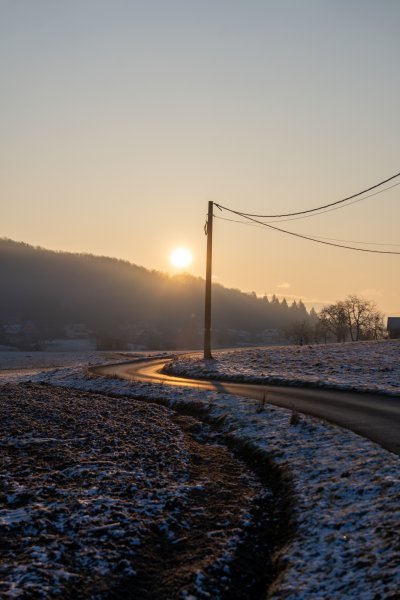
{"points": [[106, 497], [13, 364], [66, 521], [347, 489], [363, 366]]}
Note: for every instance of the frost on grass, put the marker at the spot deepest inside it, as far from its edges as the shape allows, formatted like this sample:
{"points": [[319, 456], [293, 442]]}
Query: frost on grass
{"points": [[347, 489], [363, 366], [76, 492], [103, 496]]}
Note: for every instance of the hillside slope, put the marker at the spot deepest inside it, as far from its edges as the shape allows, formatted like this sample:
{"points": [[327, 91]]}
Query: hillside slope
{"points": [[119, 302]]}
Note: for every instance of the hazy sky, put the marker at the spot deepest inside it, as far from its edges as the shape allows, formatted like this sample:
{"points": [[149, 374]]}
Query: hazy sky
{"points": [[120, 119]]}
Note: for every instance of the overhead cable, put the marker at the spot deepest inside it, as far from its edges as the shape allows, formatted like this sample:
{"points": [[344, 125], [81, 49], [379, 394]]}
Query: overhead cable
{"points": [[317, 237], [317, 214], [311, 210], [311, 239]]}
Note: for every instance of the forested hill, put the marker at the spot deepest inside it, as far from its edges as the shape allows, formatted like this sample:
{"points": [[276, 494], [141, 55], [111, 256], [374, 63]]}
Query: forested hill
{"points": [[114, 299]]}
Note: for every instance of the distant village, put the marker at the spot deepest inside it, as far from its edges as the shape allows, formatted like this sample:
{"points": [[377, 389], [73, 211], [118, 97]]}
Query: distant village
{"points": [[145, 336]]}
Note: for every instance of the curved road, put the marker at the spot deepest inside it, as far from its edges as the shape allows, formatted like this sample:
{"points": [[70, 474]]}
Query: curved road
{"points": [[373, 416]]}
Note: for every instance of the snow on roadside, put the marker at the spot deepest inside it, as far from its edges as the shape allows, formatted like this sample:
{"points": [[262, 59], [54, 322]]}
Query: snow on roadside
{"points": [[363, 366], [14, 364], [347, 488]]}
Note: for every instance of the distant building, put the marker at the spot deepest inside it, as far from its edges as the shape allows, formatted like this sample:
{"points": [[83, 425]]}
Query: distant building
{"points": [[393, 327]]}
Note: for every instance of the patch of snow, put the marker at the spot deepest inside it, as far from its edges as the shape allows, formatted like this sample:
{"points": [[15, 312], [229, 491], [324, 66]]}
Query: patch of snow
{"points": [[357, 366], [347, 488]]}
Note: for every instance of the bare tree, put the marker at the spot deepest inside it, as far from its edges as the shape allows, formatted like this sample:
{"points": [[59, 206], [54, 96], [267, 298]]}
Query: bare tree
{"points": [[353, 317], [358, 314], [333, 319], [375, 328], [299, 332], [321, 332]]}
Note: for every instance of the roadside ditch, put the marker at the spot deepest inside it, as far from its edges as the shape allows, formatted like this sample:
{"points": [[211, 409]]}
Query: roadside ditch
{"points": [[205, 519]]}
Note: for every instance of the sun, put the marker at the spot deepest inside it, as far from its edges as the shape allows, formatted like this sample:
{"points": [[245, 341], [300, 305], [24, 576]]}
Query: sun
{"points": [[181, 258]]}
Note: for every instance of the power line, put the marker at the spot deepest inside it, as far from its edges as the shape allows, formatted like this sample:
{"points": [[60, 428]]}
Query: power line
{"points": [[306, 237], [317, 237], [311, 210], [355, 241], [308, 216]]}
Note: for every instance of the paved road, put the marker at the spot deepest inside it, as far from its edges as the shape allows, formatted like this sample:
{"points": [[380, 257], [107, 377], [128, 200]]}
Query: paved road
{"points": [[373, 416]]}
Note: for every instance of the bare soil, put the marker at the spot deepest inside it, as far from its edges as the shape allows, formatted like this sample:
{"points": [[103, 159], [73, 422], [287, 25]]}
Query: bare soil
{"points": [[104, 497]]}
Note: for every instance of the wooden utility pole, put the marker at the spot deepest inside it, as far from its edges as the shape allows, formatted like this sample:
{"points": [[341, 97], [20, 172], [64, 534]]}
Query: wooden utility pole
{"points": [[207, 314]]}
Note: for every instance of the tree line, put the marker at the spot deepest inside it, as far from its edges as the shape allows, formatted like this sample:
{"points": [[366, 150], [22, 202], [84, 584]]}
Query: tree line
{"points": [[123, 304], [352, 319]]}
